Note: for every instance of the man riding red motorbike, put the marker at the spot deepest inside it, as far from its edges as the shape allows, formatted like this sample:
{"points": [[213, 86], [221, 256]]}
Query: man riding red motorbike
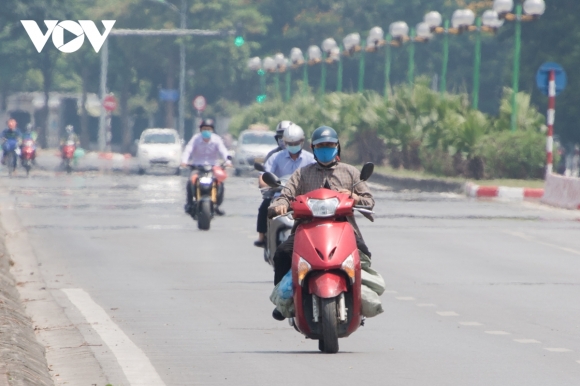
{"points": [[326, 250]]}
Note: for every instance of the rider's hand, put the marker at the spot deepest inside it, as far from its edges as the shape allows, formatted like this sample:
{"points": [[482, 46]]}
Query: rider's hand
{"points": [[352, 195], [228, 164], [277, 211]]}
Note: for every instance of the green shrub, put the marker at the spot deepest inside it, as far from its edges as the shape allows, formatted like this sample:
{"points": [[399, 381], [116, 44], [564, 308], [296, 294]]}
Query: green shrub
{"points": [[518, 155]]}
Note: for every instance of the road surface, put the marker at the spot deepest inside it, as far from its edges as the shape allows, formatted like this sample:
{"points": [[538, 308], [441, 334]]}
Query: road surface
{"points": [[478, 292]]}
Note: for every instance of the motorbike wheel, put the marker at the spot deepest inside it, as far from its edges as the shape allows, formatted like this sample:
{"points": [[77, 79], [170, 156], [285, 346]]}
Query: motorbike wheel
{"points": [[68, 166], [27, 167], [204, 216], [11, 162], [329, 326]]}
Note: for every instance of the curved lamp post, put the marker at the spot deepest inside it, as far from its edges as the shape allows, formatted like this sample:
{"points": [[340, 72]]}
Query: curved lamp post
{"points": [[329, 49], [531, 10], [255, 64]]}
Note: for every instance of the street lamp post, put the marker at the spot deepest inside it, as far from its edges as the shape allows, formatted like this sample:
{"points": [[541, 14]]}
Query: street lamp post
{"points": [[531, 10], [399, 33], [314, 55], [331, 53], [351, 43], [297, 60]]}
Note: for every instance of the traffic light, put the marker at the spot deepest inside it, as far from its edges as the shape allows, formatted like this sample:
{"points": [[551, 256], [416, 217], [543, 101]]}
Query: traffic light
{"points": [[261, 98], [239, 39]]}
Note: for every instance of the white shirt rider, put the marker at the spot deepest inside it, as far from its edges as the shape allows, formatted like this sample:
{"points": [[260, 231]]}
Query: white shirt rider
{"points": [[205, 147]]}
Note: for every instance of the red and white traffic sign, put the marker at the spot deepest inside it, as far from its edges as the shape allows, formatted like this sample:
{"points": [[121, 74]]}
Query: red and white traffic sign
{"points": [[199, 103], [110, 103]]}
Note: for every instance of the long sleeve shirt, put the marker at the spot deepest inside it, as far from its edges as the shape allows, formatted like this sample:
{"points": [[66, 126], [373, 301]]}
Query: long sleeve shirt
{"points": [[315, 176], [281, 164], [199, 152]]}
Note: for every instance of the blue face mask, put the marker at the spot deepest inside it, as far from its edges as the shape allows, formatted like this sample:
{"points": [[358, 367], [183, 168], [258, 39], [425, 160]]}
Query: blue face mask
{"points": [[326, 154], [294, 149], [206, 134]]}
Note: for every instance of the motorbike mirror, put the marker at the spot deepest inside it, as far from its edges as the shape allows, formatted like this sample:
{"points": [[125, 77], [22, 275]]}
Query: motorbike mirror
{"points": [[270, 179], [259, 167], [229, 158], [367, 171]]}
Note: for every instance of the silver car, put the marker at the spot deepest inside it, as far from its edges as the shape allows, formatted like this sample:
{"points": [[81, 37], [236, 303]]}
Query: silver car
{"points": [[253, 146]]}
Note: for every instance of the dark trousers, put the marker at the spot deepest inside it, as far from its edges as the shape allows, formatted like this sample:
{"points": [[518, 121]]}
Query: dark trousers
{"points": [[283, 256], [262, 225], [189, 193]]}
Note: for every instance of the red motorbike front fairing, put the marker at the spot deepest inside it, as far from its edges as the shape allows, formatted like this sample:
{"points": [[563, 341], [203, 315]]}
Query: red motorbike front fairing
{"points": [[325, 244], [68, 151]]}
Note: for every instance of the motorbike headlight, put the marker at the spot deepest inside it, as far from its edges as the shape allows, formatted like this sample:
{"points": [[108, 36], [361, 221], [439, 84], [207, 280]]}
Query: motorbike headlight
{"points": [[348, 267], [323, 208], [205, 180], [303, 268]]}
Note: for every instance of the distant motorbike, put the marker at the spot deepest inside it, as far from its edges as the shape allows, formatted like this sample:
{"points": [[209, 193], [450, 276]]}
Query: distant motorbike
{"points": [[280, 228], [11, 152], [28, 154], [206, 180], [68, 152], [326, 270]]}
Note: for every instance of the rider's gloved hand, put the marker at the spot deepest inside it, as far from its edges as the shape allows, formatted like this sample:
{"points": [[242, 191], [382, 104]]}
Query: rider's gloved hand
{"points": [[277, 211]]}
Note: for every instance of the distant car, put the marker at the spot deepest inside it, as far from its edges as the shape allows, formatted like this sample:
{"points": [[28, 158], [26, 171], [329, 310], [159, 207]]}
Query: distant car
{"points": [[253, 146], [159, 148]]}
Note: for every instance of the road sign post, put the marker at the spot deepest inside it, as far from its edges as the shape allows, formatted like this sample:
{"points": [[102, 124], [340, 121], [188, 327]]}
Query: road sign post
{"points": [[551, 80], [110, 105]]}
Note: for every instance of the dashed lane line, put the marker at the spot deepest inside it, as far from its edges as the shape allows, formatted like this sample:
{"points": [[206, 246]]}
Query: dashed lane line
{"points": [[137, 367], [406, 298], [497, 332], [447, 313], [527, 341], [470, 324], [529, 238], [557, 349]]}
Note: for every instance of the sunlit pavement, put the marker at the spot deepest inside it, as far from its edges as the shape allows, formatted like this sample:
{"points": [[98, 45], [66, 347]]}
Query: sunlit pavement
{"points": [[479, 292]]}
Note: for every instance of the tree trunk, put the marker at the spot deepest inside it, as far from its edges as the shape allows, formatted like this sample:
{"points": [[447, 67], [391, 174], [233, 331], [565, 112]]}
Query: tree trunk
{"points": [[85, 137], [126, 127], [170, 105]]}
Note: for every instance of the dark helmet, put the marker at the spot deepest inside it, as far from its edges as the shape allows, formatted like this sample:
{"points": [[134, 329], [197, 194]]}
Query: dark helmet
{"points": [[324, 134], [207, 122]]}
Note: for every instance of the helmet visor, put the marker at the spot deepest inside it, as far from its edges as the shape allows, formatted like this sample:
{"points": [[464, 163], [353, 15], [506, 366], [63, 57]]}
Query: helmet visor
{"points": [[325, 139]]}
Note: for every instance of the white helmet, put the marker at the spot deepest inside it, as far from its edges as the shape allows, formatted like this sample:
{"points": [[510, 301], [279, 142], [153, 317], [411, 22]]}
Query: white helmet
{"points": [[281, 127], [69, 129], [293, 133]]}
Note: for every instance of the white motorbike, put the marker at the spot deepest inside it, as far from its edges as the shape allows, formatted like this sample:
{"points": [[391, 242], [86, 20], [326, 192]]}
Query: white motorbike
{"points": [[279, 228]]}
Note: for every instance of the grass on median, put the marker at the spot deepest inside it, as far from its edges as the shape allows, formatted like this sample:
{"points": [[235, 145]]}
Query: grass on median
{"points": [[498, 182]]}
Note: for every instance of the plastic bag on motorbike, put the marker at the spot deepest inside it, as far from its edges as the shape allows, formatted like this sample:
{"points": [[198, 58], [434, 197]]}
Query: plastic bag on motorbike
{"points": [[282, 296], [371, 303], [370, 277]]}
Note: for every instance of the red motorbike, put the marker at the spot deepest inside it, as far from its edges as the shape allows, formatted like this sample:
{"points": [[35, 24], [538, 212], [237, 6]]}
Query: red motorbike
{"points": [[27, 154], [68, 152], [326, 272]]}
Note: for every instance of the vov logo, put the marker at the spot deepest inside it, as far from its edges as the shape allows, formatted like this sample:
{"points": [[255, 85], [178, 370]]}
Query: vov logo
{"points": [[80, 30]]}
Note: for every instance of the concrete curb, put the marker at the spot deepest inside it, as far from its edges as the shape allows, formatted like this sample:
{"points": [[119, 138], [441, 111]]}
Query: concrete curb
{"points": [[473, 190], [562, 192]]}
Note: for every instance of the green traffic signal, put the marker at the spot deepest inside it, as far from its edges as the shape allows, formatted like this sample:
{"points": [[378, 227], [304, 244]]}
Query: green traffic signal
{"points": [[239, 41], [261, 98]]}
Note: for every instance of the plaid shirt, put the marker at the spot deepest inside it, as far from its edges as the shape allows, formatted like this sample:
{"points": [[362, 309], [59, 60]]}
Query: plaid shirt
{"points": [[314, 176]]}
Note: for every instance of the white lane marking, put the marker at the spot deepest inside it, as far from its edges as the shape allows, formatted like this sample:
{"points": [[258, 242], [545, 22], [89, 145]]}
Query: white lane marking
{"points": [[447, 313], [497, 332], [405, 298], [390, 292], [426, 305], [529, 238], [527, 341], [135, 364], [470, 324], [557, 349], [577, 361]]}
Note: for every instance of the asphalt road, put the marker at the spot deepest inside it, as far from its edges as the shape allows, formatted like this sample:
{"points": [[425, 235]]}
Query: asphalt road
{"points": [[478, 292]]}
